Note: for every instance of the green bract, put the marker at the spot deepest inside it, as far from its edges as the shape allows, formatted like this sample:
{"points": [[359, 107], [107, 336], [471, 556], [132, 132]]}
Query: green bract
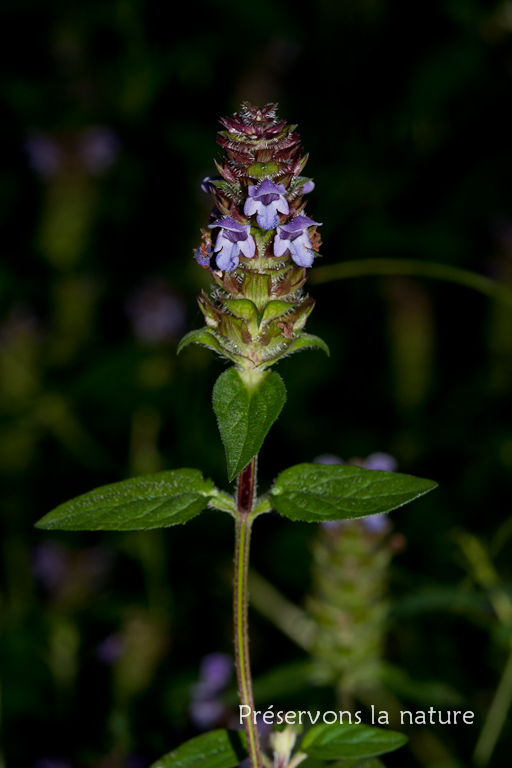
{"points": [[315, 493]]}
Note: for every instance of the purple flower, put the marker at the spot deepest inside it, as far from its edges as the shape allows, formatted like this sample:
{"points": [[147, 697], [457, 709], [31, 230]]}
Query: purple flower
{"points": [[99, 148], [376, 523], [156, 313], [206, 707], [216, 670], [382, 461], [203, 255], [328, 458], [308, 187], [266, 200], [234, 238], [50, 562], [206, 714], [293, 237], [110, 649], [44, 154]]}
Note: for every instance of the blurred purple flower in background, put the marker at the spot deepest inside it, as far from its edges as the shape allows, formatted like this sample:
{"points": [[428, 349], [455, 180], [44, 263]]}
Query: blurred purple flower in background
{"points": [[382, 461], [328, 458], [94, 150], [206, 707], [216, 670], [49, 563], [68, 575], [110, 649], [375, 461], [43, 153], [156, 312], [51, 762], [98, 148]]}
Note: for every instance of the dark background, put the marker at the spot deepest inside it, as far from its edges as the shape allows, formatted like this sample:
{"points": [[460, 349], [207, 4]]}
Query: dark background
{"points": [[109, 113]]}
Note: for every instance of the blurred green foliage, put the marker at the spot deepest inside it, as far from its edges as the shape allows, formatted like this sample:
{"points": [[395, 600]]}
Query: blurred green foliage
{"points": [[108, 119]]}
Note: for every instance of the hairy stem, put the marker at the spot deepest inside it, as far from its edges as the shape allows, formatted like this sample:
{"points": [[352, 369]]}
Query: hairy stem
{"points": [[245, 496]]}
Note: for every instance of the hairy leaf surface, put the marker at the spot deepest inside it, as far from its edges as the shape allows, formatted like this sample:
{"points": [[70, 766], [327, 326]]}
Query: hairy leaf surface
{"points": [[150, 501], [216, 749], [245, 412], [317, 492], [330, 742]]}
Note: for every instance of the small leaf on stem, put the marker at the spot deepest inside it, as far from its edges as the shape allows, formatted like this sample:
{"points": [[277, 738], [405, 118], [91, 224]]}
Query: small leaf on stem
{"points": [[246, 405]]}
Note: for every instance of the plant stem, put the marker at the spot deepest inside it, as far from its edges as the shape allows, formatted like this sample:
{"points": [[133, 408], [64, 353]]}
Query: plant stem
{"points": [[373, 267], [245, 496], [496, 717]]}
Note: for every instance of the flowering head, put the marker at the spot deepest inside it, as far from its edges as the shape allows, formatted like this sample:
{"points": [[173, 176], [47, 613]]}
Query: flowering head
{"points": [[260, 242]]}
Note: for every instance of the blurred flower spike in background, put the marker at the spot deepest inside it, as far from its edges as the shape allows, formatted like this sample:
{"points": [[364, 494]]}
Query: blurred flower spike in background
{"points": [[206, 708]]}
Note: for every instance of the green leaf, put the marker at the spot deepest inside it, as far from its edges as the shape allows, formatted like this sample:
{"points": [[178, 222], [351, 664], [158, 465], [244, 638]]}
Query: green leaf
{"points": [[246, 404], [216, 749], [150, 501], [318, 492], [330, 742]]}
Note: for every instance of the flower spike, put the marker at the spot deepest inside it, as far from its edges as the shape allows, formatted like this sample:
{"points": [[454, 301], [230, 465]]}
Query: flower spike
{"points": [[260, 242]]}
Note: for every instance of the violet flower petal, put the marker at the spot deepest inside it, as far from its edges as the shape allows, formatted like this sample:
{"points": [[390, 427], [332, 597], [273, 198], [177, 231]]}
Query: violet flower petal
{"points": [[248, 247], [382, 461], [301, 254], [266, 200], [267, 217], [227, 256]]}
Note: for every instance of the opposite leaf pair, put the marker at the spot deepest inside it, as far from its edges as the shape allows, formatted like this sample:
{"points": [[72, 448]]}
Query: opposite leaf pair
{"points": [[353, 746], [306, 492]]}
